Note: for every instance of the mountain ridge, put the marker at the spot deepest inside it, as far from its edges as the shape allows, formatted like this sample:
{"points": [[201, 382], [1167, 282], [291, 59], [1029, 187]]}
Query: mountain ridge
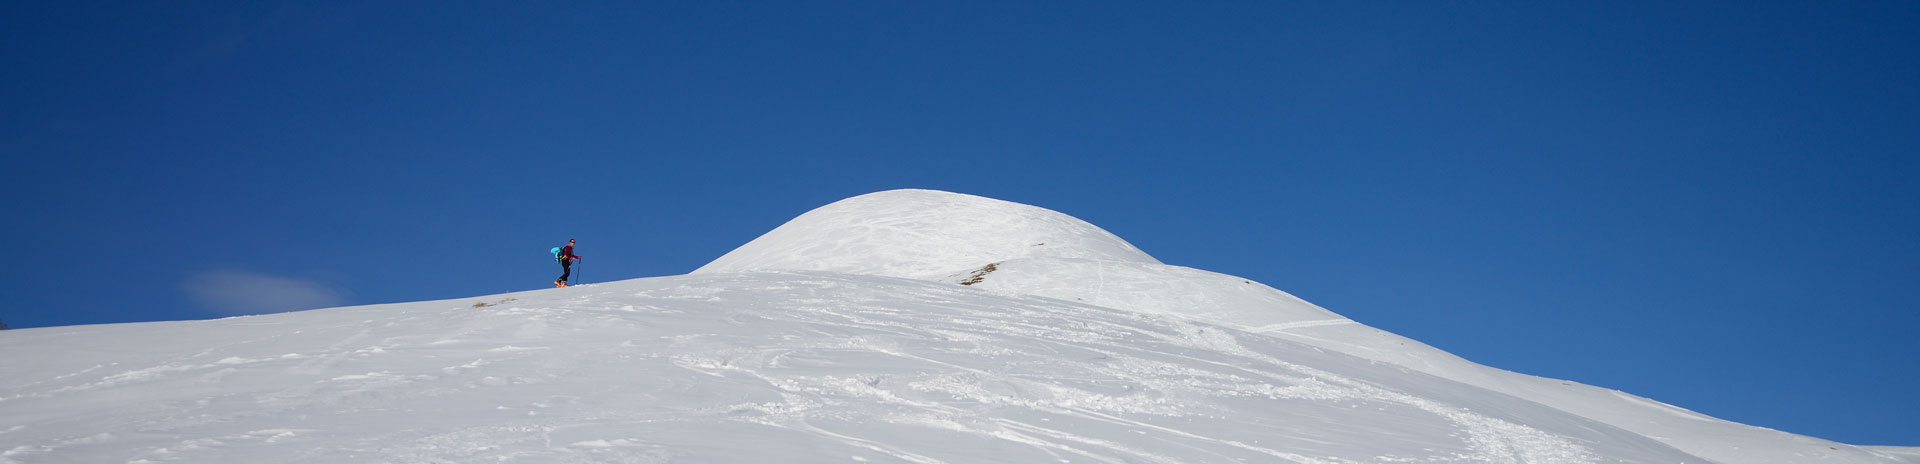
{"points": [[899, 326]]}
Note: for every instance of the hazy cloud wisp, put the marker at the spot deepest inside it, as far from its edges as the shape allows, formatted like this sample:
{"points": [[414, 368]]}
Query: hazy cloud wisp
{"points": [[240, 293]]}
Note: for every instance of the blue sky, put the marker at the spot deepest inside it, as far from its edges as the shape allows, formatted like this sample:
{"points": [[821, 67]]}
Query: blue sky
{"points": [[1708, 204]]}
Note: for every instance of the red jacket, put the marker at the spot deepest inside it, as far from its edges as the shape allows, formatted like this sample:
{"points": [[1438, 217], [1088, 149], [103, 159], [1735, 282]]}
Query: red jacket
{"points": [[567, 253]]}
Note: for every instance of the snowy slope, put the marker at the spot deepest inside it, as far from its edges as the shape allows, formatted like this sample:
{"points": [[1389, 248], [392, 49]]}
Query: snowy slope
{"points": [[845, 335], [762, 367], [1142, 284], [1246, 305]]}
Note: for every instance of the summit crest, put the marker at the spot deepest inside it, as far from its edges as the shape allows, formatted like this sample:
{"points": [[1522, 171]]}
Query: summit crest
{"points": [[922, 234]]}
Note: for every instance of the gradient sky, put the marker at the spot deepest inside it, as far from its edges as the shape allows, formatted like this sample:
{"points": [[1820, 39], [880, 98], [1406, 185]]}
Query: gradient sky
{"points": [[1709, 204]]}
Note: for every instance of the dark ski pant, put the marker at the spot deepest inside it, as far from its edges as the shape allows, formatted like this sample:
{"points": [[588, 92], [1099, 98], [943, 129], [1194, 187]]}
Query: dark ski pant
{"points": [[566, 270]]}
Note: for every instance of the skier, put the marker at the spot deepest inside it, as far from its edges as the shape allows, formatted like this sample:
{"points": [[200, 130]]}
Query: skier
{"points": [[566, 258]]}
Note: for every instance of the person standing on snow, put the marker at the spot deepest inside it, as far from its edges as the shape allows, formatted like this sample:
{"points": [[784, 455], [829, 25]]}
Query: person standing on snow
{"points": [[566, 258]]}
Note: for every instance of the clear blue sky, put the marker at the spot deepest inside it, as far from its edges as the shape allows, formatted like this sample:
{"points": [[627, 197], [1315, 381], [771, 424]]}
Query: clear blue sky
{"points": [[1709, 204]]}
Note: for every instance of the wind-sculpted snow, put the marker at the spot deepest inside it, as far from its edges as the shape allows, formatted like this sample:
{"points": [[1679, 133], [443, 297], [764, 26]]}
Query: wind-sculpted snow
{"points": [[766, 367], [1175, 291], [1152, 288], [922, 234]]}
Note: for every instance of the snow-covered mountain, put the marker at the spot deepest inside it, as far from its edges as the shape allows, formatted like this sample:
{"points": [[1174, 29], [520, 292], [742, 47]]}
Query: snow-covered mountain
{"points": [[900, 326]]}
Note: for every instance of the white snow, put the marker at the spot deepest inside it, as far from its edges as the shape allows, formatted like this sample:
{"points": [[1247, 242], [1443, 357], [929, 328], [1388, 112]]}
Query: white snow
{"points": [[922, 234], [845, 335]]}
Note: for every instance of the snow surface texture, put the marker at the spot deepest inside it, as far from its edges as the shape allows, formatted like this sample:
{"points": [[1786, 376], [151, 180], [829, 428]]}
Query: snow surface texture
{"points": [[904, 326]]}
